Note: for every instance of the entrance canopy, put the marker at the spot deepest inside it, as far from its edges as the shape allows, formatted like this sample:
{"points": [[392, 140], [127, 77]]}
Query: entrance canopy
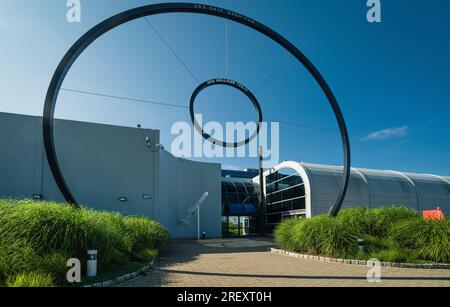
{"points": [[240, 210]]}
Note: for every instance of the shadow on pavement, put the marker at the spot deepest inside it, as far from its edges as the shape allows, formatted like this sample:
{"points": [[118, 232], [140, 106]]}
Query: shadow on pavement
{"points": [[182, 251], [178, 262], [409, 278]]}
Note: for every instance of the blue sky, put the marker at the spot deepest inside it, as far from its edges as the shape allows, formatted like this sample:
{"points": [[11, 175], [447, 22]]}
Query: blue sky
{"points": [[392, 79]]}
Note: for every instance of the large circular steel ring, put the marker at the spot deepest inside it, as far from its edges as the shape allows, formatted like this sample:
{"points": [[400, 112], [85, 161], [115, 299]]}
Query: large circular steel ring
{"points": [[164, 8], [239, 87]]}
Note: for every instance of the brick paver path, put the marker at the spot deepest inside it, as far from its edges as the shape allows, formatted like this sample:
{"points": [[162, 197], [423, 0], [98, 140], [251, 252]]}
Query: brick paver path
{"points": [[248, 262]]}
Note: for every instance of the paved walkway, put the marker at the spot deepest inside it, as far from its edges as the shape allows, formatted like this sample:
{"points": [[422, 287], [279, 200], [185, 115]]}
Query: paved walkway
{"points": [[249, 263]]}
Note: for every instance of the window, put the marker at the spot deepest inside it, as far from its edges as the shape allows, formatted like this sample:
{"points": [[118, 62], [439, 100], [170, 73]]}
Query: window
{"points": [[285, 195]]}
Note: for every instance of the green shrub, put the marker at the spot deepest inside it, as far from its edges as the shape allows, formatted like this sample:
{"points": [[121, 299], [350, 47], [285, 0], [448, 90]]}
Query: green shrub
{"points": [[386, 218], [373, 243], [396, 255], [431, 239], [41, 237], [17, 257], [118, 259], [322, 235], [52, 227], [146, 255], [145, 233], [54, 264], [31, 280], [283, 234], [359, 220], [391, 234], [374, 222]]}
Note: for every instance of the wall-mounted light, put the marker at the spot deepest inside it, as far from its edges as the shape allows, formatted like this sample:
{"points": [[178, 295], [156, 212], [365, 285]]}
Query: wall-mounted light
{"points": [[148, 140], [37, 196], [123, 199]]}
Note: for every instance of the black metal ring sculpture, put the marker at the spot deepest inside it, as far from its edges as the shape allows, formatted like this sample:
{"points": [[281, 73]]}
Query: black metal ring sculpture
{"points": [[239, 87], [87, 39]]}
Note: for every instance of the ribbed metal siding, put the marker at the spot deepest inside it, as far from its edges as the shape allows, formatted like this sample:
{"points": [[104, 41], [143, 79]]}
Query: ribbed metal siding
{"points": [[374, 188]]}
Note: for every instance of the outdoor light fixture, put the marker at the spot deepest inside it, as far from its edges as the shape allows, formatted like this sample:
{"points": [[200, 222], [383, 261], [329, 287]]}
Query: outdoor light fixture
{"points": [[123, 199], [164, 8], [360, 243], [91, 268], [37, 196]]}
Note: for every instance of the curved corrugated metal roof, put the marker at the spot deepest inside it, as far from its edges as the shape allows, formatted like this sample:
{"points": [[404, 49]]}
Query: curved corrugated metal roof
{"points": [[376, 188]]}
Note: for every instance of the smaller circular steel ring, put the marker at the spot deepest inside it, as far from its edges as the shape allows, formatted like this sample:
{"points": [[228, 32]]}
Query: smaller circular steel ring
{"points": [[239, 87]]}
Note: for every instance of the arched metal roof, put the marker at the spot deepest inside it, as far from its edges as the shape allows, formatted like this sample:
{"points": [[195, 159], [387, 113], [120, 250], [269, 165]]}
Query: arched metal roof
{"points": [[370, 188]]}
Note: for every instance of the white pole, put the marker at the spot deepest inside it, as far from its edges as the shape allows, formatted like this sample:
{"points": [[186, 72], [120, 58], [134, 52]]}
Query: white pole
{"points": [[91, 270], [198, 223]]}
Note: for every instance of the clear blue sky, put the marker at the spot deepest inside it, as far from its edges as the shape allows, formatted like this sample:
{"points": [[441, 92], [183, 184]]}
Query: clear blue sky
{"points": [[392, 79]]}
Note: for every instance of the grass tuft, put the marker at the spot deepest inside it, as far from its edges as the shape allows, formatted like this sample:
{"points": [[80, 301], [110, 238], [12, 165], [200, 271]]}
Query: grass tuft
{"points": [[320, 235], [31, 280], [431, 239], [39, 237], [391, 234]]}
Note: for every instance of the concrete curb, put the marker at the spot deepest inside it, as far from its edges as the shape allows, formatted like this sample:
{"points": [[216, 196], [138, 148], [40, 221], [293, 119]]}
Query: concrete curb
{"points": [[443, 266], [124, 278]]}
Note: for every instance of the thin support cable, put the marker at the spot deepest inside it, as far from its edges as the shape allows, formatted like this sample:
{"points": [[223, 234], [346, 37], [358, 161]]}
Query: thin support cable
{"points": [[302, 125], [184, 107], [124, 98], [171, 50], [226, 49], [270, 77]]}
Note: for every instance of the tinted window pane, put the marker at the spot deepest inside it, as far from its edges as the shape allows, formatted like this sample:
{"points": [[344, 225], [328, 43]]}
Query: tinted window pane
{"points": [[285, 193]]}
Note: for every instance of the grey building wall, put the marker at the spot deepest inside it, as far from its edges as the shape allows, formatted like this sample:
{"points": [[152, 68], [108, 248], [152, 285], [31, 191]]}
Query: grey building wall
{"points": [[183, 183], [20, 156], [102, 163]]}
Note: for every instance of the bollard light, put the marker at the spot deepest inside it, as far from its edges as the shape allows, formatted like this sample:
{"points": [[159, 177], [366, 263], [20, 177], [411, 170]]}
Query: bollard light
{"points": [[360, 243], [38, 196], [91, 263]]}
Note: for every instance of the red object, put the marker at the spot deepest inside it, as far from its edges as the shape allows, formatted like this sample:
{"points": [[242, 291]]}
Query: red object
{"points": [[435, 215]]}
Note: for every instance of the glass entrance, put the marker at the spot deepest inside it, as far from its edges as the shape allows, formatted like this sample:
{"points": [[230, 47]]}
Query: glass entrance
{"points": [[236, 226], [239, 203]]}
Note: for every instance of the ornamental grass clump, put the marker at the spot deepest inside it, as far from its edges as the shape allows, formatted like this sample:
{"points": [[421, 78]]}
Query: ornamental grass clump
{"points": [[37, 239], [394, 234], [320, 235], [374, 222], [431, 239]]}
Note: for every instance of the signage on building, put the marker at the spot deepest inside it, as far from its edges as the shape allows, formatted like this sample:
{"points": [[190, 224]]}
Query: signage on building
{"points": [[147, 196]]}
